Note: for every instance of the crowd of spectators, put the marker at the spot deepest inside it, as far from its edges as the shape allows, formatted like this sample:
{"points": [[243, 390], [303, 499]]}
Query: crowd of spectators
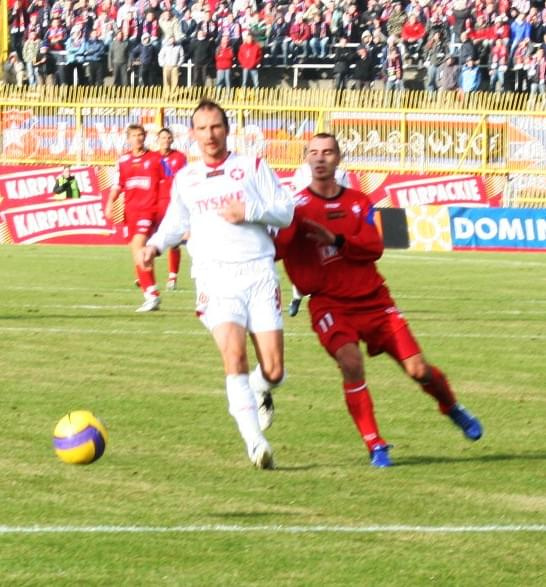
{"points": [[468, 45]]}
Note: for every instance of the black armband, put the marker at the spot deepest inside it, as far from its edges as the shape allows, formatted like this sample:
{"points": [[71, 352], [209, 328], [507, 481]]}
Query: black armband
{"points": [[339, 241]]}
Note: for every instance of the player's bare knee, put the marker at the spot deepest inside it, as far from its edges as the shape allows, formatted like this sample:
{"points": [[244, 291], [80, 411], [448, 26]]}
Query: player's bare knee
{"points": [[418, 371], [273, 373], [349, 360], [351, 367]]}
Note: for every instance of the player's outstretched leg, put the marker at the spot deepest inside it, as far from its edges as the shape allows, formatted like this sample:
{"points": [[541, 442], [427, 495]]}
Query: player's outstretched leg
{"points": [[152, 300], [379, 456], [360, 405], [243, 408], [438, 387], [467, 422]]}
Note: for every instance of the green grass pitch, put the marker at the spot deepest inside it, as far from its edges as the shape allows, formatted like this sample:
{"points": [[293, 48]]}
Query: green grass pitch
{"points": [[174, 500]]}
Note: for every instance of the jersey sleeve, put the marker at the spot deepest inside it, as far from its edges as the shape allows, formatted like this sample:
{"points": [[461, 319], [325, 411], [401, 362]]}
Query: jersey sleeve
{"points": [[176, 221], [271, 204], [366, 244], [302, 177]]}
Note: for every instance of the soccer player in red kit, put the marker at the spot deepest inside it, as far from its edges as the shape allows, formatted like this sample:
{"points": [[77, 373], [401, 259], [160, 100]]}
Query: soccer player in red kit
{"points": [[140, 172], [173, 161], [329, 252]]}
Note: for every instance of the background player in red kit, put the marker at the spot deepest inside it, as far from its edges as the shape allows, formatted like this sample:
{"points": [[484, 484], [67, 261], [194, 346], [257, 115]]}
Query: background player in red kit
{"points": [[140, 172], [329, 252], [173, 161]]}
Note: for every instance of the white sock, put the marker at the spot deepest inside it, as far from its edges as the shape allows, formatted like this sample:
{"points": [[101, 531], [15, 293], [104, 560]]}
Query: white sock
{"points": [[258, 383], [296, 295], [242, 406]]}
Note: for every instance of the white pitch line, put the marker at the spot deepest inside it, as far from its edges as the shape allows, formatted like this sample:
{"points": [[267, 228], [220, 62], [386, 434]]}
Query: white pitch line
{"points": [[100, 307], [490, 261], [287, 334], [220, 528]]}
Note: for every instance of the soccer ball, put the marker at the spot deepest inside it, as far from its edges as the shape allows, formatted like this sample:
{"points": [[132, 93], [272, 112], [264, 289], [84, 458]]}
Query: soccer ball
{"points": [[80, 438]]}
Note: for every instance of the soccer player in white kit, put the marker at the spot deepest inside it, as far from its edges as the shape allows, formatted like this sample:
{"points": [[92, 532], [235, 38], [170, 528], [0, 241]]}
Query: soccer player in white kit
{"points": [[300, 180], [225, 202]]}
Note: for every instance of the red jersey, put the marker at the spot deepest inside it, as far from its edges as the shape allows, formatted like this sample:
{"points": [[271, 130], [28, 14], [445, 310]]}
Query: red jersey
{"points": [[172, 162], [347, 272], [139, 178]]}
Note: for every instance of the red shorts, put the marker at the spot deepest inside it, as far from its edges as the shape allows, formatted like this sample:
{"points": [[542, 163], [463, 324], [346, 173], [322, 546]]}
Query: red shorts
{"points": [[140, 222], [382, 327]]}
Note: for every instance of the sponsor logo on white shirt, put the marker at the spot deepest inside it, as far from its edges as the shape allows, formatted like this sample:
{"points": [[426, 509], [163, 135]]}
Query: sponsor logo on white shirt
{"points": [[237, 173]]}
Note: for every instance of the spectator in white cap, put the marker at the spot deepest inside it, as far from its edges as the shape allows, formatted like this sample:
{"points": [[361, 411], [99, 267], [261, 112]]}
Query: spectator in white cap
{"points": [[144, 57]]}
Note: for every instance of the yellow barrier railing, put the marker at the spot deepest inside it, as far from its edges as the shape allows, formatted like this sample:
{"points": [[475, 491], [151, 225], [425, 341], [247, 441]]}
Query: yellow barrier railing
{"points": [[411, 131], [4, 31]]}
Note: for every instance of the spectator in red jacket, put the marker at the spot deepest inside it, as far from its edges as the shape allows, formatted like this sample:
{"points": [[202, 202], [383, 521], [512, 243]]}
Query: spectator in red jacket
{"points": [[299, 33], [250, 58], [413, 35], [224, 58]]}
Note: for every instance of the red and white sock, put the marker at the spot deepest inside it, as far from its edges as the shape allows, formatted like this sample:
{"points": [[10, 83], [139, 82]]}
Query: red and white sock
{"points": [[147, 281], [360, 405], [438, 387]]}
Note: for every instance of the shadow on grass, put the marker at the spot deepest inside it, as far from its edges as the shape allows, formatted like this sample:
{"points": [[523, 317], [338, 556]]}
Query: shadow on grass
{"points": [[434, 460]]}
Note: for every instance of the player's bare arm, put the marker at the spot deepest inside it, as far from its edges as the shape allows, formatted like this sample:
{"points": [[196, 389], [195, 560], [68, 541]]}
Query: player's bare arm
{"points": [[112, 197]]}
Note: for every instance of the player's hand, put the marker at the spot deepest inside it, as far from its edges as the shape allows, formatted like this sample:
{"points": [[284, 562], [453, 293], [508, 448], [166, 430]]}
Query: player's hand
{"points": [[146, 257], [318, 233], [234, 212]]}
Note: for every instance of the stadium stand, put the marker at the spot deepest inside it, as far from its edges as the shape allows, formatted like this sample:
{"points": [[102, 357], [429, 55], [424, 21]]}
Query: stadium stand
{"points": [[495, 45]]}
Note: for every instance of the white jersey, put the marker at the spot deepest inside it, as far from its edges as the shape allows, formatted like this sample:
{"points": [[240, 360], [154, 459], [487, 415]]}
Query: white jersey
{"points": [[303, 177], [199, 192]]}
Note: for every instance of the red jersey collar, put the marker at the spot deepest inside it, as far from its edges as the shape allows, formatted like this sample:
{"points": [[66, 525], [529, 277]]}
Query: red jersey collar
{"points": [[341, 190], [217, 164]]}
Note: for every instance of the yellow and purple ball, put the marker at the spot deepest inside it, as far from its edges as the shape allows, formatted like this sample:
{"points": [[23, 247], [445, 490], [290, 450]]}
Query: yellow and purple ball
{"points": [[80, 438]]}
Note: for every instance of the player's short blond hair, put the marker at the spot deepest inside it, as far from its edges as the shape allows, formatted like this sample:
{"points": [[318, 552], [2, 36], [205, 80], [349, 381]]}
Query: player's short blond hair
{"points": [[135, 126]]}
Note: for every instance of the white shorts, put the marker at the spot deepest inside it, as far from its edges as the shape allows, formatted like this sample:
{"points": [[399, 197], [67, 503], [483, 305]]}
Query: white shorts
{"points": [[245, 293]]}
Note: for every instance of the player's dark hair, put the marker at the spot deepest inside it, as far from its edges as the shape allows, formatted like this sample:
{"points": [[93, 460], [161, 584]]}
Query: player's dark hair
{"points": [[327, 135], [135, 126], [167, 130], [206, 104]]}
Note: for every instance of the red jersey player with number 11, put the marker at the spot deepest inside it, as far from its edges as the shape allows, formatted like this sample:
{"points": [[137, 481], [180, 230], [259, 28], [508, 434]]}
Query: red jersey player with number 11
{"points": [[140, 172], [329, 252]]}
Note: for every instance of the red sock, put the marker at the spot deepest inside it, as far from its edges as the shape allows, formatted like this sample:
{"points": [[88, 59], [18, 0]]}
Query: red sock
{"points": [[439, 388], [173, 260], [360, 405], [147, 281]]}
